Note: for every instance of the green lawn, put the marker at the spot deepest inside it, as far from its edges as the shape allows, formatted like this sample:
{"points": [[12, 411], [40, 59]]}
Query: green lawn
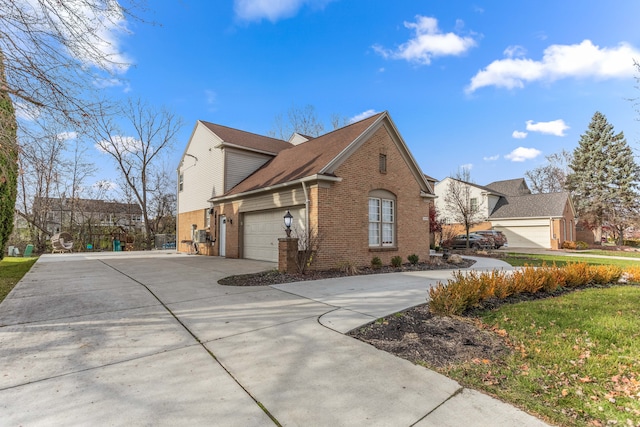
{"points": [[575, 360], [536, 260], [613, 253], [11, 271]]}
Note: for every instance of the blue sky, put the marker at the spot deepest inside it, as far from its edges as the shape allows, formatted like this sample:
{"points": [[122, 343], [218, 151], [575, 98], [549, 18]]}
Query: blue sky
{"points": [[491, 84]]}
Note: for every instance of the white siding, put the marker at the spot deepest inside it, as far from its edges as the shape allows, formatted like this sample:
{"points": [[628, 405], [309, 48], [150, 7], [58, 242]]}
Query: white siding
{"points": [[203, 178], [441, 189], [240, 165]]}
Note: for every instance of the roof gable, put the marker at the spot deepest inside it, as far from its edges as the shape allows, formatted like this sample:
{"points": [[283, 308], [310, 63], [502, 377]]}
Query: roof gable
{"points": [[539, 205], [510, 187], [322, 156], [236, 138]]}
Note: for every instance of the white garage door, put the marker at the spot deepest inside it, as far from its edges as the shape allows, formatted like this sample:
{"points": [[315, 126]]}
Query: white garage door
{"points": [[527, 237], [263, 229]]}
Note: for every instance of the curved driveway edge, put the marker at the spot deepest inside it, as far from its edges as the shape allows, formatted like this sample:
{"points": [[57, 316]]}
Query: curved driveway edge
{"points": [[152, 339]]}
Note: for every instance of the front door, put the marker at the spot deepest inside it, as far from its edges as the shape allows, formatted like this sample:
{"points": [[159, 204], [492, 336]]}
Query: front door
{"points": [[222, 236]]}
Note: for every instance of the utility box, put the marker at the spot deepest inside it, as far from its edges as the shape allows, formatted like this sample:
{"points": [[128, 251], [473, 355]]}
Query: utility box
{"points": [[201, 236]]}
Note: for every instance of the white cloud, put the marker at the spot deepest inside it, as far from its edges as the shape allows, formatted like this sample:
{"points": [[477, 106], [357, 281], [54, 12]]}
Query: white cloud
{"points": [[428, 42], [211, 96], [515, 51], [584, 60], [491, 158], [467, 166], [362, 115], [521, 154], [65, 136], [26, 112], [519, 135], [100, 46], [555, 127], [121, 144], [256, 10]]}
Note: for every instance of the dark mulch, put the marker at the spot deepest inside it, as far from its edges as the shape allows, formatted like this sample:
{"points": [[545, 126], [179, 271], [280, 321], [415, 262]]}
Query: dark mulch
{"points": [[274, 277], [436, 341]]}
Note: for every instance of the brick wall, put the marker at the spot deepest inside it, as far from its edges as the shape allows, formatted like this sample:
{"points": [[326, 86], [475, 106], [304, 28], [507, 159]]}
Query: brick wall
{"points": [[185, 221], [343, 214]]}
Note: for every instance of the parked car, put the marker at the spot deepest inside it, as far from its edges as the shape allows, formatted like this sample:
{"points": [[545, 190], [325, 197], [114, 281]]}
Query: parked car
{"points": [[476, 241], [498, 237]]}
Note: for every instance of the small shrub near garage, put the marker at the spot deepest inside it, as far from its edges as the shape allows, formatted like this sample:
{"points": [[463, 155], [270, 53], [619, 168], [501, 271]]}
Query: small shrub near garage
{"points": [[396, 261], [413, 259]]}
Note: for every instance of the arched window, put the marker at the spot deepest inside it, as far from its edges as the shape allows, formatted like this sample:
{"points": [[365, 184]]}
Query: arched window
{"points": [[382, 219]]}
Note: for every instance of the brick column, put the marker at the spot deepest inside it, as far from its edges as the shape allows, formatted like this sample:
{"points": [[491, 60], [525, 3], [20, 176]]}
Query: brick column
{"points": [[287, 255]]}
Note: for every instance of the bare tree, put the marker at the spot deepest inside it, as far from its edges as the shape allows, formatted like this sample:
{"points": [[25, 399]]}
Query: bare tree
{"points": [[138, 157], [303, 120], [42, 165], [56, 52], [460, 203], [53, 54], [552, 177]]}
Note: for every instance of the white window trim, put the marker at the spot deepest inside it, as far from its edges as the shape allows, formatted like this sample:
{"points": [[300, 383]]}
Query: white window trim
{"points": [[379, 221]]}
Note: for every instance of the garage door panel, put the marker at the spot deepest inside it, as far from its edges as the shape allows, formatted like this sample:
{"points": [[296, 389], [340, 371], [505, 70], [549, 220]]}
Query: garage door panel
{"points": [[263, 229], [527, 236]]}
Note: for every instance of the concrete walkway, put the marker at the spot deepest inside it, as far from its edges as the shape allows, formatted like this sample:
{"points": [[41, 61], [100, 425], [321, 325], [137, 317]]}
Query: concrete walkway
{"points": [[152, 339]]}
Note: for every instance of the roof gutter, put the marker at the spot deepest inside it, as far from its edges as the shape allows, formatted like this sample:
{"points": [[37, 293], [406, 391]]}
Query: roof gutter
{"points": [[293, 183], [244, 148]]}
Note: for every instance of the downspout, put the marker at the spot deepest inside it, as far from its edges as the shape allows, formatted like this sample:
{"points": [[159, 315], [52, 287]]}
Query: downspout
{"points": [[306, 208]]}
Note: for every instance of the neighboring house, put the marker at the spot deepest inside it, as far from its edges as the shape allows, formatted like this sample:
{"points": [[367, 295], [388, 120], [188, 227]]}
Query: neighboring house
{"points": [[528, 220], [357, 188], [61, 212]]}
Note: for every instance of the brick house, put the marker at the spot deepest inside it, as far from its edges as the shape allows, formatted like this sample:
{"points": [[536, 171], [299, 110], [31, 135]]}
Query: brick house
{"points": [[357, 188], [544, 220]]}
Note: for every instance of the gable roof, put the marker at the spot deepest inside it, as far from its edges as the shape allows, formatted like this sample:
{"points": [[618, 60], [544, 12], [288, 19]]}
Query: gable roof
{"points": [[240, 138], [542, 205], [306, 159], [321, 156], [480, 187], [510, 187]]}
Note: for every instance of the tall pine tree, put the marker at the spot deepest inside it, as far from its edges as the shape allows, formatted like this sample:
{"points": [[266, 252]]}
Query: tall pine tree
{"points": [[604, 178]]}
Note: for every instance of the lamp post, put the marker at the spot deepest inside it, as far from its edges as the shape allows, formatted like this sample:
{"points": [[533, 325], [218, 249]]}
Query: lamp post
{"points": [[288, 218]]}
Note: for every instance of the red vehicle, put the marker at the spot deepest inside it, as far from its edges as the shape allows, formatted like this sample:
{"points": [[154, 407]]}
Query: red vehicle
{"points": [[497, 237]]}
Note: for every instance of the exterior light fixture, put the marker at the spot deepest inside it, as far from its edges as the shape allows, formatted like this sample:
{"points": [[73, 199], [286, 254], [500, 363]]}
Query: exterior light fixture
{"points": [[288, 218]]}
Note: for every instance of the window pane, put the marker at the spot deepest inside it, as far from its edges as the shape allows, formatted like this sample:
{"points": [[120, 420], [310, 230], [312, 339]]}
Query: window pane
{"points": [[387, 234], [387, 210], [374, 210], [374, 234]]}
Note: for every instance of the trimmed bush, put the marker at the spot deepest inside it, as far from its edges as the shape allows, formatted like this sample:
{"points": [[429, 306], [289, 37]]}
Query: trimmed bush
{"points": [[413, 259], [396, 261], [469, 290], [376, 262]]}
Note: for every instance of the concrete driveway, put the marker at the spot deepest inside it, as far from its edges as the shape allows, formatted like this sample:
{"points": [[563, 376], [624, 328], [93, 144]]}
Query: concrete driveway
{"points": [[152, 339]]}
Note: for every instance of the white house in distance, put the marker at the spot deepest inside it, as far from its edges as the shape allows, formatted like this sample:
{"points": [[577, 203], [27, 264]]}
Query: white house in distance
{"points": [[528, 220]]}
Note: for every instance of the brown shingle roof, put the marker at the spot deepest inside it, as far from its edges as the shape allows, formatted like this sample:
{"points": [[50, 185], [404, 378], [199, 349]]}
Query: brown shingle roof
{"points": [[531, 206], [247, 139], [510, 187], [306, 159]]}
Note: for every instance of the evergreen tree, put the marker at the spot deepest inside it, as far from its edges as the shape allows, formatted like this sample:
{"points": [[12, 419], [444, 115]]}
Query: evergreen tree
{"points": [[8, 162], [604, 178]]}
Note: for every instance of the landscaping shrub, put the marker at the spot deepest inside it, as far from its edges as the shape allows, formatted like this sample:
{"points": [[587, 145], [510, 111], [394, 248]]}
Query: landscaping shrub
{"points": [[349, 268], [469, 290], [568, 244], [582, 245], [632, 274], [376, 262], [413, 259], [632, 242], [396, 261]]}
